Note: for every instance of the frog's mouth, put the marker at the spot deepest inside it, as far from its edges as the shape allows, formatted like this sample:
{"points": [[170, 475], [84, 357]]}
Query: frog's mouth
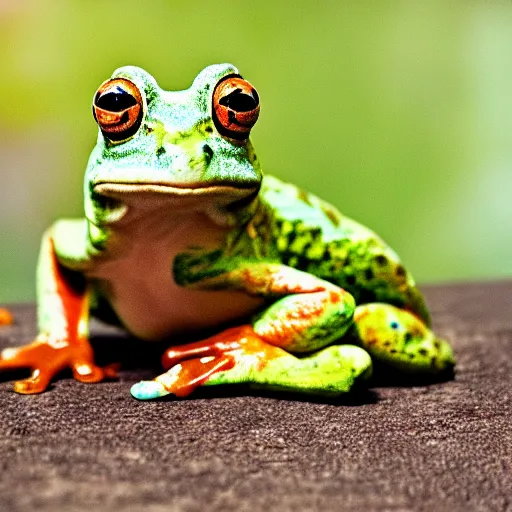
{"points": [[119, 198], [115, 187]]}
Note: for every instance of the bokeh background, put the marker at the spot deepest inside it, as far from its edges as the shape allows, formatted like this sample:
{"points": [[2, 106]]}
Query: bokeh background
{"points": [[399, 113]]}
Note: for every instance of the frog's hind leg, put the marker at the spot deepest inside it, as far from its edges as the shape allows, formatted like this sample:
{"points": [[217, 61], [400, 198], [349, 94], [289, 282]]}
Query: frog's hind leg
{"points": [[400, 340], [306, 315], [240, 356]]}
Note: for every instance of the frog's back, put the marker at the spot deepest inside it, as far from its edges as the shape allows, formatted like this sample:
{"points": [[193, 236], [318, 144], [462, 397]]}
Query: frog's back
{"points": [[307, 233]]}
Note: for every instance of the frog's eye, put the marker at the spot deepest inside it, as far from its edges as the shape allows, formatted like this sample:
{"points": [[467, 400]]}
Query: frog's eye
{"points": [[236, 106], [117, 108]]}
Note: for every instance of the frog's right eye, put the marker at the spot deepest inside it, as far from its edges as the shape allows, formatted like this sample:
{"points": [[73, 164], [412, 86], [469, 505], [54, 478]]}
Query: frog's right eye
{"points": [[117, 108]]}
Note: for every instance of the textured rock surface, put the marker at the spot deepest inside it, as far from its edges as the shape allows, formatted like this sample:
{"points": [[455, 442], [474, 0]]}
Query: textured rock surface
{"points": [[445, 446]]}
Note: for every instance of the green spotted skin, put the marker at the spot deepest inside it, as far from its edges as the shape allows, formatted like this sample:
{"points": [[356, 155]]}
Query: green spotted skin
{"points": [[298, 229], [390, 324]]}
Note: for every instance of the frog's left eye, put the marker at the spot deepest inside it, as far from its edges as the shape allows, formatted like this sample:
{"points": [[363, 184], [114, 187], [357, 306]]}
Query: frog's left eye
{"points": [[117, 108], [236, 106]]}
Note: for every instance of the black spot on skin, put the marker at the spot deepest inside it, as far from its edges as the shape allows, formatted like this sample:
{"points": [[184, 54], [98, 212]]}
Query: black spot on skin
{"points": [[326, 256], [407, 337], [400, 271], [316, 233], [351, 280], [368, 274], [302, 263], [160, 151], [381, 260], [387, 343], [393, 351], [437, 344], [305, 249], [208, 129], [411, 356], [208, 151], [291, 238], [423, 351]]}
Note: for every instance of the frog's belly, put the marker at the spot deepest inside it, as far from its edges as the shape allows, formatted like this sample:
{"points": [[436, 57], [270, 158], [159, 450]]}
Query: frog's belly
{"points": [[152, 307], [140, 288]]}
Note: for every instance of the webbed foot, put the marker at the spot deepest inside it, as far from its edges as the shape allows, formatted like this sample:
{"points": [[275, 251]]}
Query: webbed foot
{"points": [[46, 359]]}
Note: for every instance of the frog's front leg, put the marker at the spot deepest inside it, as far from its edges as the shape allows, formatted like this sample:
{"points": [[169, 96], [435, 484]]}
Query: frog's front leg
{"points": [[307, 314], [63, 311]]}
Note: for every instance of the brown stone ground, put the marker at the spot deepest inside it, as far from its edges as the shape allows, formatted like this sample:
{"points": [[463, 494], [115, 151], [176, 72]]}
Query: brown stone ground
{"points": [[444, 446]]}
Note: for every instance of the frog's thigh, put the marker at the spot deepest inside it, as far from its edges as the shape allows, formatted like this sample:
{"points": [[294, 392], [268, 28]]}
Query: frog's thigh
{"points": [[307, 321], [400, 339], [308, 313]]}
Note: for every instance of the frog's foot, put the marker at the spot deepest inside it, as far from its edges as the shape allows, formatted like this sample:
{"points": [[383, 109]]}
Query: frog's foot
{"points": [[401, 340], [190, 366], [46, 359], [239, 355], [6, 317]]}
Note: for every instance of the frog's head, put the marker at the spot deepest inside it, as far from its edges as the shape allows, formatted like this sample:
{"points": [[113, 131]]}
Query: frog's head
{"points": [[188, 148]]}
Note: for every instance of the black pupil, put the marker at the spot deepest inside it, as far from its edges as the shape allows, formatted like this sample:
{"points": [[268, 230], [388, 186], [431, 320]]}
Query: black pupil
{"points": [[240, 101], [115, 99]]}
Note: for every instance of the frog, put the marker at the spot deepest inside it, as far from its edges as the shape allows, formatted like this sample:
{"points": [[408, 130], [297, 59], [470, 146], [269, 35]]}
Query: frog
{"points": [[183, 233]]}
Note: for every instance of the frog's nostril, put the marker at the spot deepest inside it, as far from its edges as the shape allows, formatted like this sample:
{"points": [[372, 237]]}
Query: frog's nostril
{"points": [[208, 152]]}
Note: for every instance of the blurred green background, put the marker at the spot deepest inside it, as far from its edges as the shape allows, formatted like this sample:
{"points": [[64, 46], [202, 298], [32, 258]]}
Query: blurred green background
{"points": [[399, 113]]}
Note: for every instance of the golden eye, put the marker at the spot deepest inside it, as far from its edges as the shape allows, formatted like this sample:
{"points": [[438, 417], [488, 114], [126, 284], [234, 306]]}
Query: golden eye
{"points": [[236, 106], [117, 108]]}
